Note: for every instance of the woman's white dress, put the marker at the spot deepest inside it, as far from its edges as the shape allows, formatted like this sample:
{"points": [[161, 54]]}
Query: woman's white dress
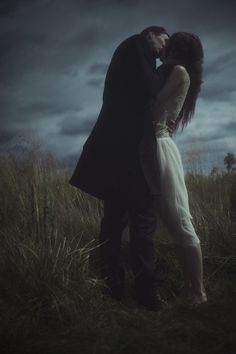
{"points": [[173, 203]]}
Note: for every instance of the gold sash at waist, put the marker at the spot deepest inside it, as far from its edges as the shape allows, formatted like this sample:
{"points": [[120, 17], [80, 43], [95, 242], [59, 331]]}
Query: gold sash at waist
{"points": [[160, 129]]}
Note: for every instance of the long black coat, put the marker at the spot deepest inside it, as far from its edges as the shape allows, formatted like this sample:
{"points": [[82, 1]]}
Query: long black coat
{"points": [[122, 142]]}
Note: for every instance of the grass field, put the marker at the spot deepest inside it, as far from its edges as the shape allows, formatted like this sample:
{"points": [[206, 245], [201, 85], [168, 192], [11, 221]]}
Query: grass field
{"points": [[50, 292]]}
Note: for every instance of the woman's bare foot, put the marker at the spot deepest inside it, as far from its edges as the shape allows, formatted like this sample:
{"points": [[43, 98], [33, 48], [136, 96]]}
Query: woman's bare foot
{"points": [[192, 300]]}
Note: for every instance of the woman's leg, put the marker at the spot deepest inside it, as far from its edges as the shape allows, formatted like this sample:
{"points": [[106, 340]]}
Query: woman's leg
{"points": [[174, 211], [188, 251], [190, 258]]}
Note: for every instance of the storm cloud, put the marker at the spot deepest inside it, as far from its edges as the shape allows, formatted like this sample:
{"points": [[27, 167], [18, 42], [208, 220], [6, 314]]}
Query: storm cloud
{"points": [[55, 54]]}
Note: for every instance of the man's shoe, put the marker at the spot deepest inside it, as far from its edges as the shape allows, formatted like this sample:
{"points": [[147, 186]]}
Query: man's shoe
{"points": [[114, 293], [152, 303]]}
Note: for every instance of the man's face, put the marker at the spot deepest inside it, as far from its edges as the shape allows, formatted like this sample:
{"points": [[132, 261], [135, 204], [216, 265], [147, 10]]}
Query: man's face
{"points": [[158, 43]]}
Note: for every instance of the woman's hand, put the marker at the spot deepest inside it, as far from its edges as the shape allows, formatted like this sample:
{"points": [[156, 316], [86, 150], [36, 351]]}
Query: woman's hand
{"points": [[171, 126]]}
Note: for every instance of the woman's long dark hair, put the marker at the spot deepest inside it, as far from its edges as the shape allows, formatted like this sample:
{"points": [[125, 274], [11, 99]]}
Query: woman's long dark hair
{"points": [[186, 49]]}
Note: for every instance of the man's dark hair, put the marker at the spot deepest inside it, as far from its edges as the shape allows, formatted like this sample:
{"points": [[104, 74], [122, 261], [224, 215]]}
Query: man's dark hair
{"points": [[155, 29]]}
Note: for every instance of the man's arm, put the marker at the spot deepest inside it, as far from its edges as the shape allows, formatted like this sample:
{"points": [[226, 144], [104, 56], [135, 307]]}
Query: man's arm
{"points": [[136, 69], [144, 70], [132, 72]]}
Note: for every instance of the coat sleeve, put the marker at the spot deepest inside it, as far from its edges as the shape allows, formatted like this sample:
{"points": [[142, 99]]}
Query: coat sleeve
{"points": [[142, 72], [148, 82], [132, 73]]}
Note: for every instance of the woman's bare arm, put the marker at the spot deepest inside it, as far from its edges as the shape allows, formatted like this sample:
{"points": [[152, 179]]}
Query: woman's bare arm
{"points": [[178, 77], [171, 98]]}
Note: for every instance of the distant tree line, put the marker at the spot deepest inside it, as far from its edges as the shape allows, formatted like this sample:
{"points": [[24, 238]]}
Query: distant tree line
{"points": [[229, 162]]}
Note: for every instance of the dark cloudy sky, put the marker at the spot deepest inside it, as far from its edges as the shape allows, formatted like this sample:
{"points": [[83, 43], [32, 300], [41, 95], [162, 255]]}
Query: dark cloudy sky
{"points": [[55, 53]]}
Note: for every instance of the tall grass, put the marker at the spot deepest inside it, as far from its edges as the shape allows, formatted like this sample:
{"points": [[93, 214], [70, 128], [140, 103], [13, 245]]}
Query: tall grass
{"points": [[212, 209], [50, 291]]}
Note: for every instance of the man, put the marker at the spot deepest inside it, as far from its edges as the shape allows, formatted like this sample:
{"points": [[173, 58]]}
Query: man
{"points": [[118, 163]]}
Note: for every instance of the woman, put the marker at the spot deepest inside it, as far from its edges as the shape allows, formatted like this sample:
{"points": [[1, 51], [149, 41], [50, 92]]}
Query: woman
{"points": [[176, 101]]}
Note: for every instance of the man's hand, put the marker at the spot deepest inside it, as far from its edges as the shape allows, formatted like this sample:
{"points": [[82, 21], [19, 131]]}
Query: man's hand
{"points": [[171, 126]]}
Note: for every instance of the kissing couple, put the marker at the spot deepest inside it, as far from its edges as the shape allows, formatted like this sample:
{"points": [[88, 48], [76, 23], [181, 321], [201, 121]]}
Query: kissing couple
{"points": [[131, 162]]}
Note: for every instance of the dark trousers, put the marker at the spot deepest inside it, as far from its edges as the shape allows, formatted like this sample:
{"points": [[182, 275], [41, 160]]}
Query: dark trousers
{"points": [[132, 204]]}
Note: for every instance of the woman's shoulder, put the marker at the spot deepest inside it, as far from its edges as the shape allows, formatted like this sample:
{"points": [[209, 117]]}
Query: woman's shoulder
{"points": [[180, 73]]}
